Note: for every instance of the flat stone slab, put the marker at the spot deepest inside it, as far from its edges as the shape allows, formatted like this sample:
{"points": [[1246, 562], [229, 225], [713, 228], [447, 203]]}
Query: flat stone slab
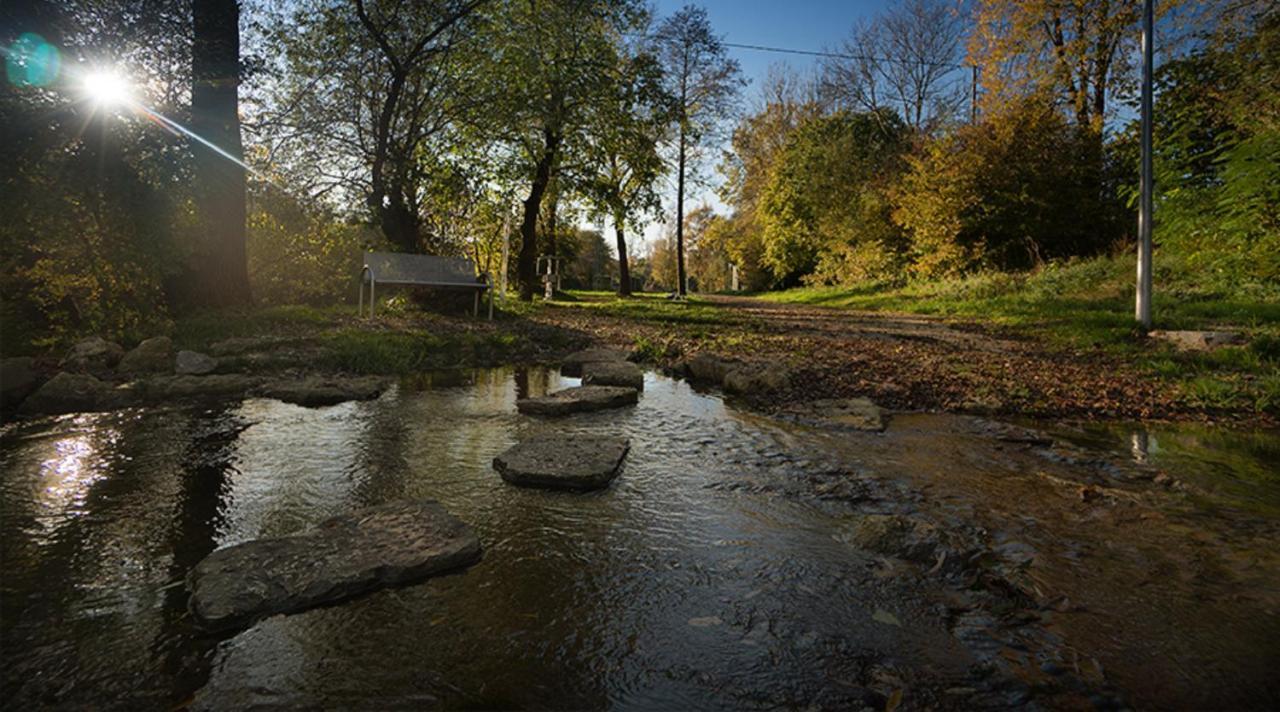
{"points": [[572, 364], [579, 400], [320, 391], [563, 462], [345, 556], [1199, 340], [613, 373]]}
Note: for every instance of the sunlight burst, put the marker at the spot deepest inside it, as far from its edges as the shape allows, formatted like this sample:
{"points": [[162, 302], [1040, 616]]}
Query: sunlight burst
{"points": [[107, 88]]}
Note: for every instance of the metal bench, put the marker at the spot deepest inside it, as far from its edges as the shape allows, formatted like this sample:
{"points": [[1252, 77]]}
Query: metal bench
{"points": [[423, 271]]}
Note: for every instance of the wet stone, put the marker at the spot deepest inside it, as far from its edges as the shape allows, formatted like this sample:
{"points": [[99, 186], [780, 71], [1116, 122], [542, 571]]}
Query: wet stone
{"points": [[573, 363], [154, 355], [850, 413], [18, 378], [94, 355], [613, 373], [343, 557], [707, 368], [229, 385], [753, 380], [578, 400], [194, 363], [69, 393], [563, 462], [317, 391]]}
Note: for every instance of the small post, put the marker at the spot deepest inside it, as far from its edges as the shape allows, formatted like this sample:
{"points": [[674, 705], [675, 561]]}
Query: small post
{"points": [[733, 272], [1142, 307]]}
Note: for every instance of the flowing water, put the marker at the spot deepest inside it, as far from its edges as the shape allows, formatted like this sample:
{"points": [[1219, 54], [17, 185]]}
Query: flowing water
{"points": [[717, 571]]}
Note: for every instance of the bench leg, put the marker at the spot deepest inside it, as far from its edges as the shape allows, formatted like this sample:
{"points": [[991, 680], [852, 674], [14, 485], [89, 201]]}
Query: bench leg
{"points": [[475, 307], [490, 305]]}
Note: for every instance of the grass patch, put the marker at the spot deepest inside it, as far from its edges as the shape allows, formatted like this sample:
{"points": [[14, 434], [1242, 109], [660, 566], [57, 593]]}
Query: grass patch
{"points": [[203, 328], [404, 352]]}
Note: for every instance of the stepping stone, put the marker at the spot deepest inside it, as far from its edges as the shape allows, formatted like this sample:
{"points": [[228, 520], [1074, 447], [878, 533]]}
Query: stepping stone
{"points": [[579, 400], [563, 462], [316, 391], [572, 364], [613, 373], [342, 557]]}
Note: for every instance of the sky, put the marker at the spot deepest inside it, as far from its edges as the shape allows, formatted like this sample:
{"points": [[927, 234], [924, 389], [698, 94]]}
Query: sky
{"points": [[811, 25]]}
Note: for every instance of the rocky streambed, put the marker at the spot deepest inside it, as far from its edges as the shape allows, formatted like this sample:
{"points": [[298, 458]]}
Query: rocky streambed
{"points": [[832, 558]]}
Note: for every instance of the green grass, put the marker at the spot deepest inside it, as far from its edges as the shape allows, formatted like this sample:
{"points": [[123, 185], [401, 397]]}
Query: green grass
{"points": [[203, 328], [1088, 304], [651, 307]]}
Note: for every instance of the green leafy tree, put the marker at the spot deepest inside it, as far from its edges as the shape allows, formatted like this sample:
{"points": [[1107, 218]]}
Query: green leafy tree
{"points": [[825, 206], [1010, 193], [551, 62], [627, 125]]}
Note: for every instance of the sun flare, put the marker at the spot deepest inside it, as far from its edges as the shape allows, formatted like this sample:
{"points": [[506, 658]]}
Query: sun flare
{"points": [[107, 88]]}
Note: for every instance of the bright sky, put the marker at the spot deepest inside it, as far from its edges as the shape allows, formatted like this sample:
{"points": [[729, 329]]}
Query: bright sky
{"points": [[792, 24]]}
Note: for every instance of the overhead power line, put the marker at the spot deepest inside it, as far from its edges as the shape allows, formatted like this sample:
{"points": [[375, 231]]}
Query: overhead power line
{"points": [[826, 53]]}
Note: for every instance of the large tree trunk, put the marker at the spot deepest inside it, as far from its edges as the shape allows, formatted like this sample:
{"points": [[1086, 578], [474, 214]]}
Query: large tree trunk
{"points": [[624, 270], [527, 263], [220, 271]]}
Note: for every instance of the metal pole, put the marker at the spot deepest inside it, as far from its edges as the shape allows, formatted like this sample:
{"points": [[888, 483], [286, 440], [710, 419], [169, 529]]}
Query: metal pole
{"points": [[1142, 307]]}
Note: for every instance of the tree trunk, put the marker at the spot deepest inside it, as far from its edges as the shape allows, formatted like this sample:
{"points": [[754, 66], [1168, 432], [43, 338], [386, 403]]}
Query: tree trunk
{"points": [[527, 262], [219, 270], [624, 270], [680, 218]]}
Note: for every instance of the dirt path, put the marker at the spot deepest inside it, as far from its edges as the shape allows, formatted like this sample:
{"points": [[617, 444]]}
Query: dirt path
{"points": [[904, 362]]}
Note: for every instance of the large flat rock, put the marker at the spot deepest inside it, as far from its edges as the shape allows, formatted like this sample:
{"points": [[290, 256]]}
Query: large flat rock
{"points": [[320, 391], [578, 400], [345, 556], [572, 364], [613, 373], [563, 462]]}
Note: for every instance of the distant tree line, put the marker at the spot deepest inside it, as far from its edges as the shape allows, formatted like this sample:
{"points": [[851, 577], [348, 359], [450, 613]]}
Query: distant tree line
{"points": [[877, 169]]}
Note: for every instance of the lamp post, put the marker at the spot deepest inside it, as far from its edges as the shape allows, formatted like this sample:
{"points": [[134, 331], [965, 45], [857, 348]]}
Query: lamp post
{"points": [[1142, 307]]}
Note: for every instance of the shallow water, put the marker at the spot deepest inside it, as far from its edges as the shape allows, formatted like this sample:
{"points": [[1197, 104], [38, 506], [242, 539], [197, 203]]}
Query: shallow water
{"points": [[666, 590], [709, 575]]}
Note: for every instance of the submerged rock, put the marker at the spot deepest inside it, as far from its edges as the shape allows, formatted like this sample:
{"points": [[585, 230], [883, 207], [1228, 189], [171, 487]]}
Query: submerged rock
{"points": [[194, 363], [320, 391], [897, 535], [70, 393], [94, 355], [18, 378], [154, 355], [613, 373], [229, 385], [342, 557], [852, 413], [563, 462], [572, 364], [578, 400]]}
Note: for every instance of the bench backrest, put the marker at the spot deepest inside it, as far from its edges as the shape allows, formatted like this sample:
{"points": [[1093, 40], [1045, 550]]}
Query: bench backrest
{"points": [[395, 267]]}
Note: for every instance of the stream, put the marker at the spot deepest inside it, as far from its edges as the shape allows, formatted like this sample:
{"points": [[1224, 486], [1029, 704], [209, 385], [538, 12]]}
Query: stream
{"points": [[1120, 566]]}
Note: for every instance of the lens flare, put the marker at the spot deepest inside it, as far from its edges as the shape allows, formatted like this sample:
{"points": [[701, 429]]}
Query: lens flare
{"points": [[107, 88]]}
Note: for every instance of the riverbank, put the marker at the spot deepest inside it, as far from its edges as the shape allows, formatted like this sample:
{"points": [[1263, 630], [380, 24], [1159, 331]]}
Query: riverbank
{"points": [[1019, 359]]}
